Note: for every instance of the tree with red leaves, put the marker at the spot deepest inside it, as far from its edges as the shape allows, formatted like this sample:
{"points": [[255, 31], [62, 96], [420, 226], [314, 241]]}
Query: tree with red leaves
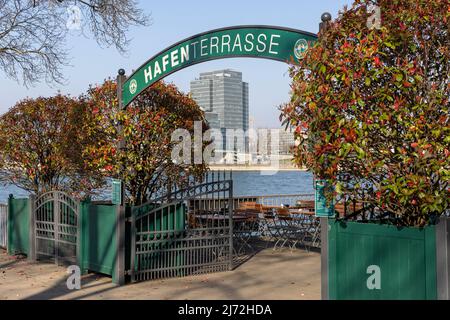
{"points": [[145, 165], [40, 147], [376, 101]]}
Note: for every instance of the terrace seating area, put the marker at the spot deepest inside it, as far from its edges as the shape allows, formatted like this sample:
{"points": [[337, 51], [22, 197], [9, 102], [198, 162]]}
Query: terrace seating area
{"points": [[278, 222], [281, 225]]}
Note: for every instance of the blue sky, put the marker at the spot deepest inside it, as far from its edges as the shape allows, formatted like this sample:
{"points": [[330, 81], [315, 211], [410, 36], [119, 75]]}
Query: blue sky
{"points": [[175, 20]]}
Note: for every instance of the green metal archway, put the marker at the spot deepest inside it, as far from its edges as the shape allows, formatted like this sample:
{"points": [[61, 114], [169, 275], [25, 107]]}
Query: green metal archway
{"points": [[267, 42]]}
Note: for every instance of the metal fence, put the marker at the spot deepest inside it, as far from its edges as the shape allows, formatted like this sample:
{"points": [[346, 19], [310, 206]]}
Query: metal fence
{"points": [[274, 200], [3, 225], [191, 234]]}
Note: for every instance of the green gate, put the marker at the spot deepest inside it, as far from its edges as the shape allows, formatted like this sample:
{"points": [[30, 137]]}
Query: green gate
{"points": [[189, 234], [55, 226]]}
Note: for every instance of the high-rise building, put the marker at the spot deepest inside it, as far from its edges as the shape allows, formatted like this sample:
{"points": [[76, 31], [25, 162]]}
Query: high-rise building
{"points": [[224, 97], [275, 141]]}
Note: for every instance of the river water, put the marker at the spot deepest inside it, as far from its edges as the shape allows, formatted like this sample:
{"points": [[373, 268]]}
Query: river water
{"points": [[245, 183]]}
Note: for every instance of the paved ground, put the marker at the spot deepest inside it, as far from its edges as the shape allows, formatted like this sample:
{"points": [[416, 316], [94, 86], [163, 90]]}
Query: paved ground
{"points": [[268, 275]]}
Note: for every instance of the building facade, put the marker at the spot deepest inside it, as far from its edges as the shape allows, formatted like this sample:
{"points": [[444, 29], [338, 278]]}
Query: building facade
{"points": [[275, 141], [224, 97]]}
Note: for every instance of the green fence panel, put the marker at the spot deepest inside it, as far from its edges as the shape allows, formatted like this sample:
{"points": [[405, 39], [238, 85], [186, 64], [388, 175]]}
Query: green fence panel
{"points": [[99, 246], [18, 226], [405, 258]]}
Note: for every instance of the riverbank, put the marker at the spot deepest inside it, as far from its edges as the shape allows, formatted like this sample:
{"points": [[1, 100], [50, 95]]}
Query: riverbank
{"points": [[250, 180], [254, 168]]}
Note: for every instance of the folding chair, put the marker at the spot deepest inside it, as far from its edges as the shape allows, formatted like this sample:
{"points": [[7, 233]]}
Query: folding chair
{"points": [[311, 235], [288, 229]]}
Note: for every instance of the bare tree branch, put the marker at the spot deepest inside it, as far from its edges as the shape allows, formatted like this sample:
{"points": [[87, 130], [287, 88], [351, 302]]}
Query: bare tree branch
{"points": [[33, 33]]}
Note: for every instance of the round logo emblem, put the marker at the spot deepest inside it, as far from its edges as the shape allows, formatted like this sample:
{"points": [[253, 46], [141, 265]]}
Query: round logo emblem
{"points": [[300, 48], [133, 86]]}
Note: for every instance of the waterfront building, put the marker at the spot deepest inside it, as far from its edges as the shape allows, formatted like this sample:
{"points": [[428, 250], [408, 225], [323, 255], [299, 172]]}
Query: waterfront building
{"points": [[278, 141], [224, 97]]}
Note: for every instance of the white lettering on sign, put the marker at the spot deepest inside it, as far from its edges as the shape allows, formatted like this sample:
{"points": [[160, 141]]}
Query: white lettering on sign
{"points": [[174, 58], [203, 51], [194, 45], [185, 54], [261, 42], [165, 62], [249, 38], [273, 43], [226, 43], [237, 43], [374, 281], [157, 69], [214, 45], [148, 74]]}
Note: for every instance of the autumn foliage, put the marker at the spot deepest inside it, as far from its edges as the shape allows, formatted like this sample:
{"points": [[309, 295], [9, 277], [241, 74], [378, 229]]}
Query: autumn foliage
{"points": [[371, 108], [71, 144], [41, 144], [145, 165]]}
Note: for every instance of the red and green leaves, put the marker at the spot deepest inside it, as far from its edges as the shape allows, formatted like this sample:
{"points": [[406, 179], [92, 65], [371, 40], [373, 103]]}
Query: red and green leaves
{"points": [[41, 143], [377, 106], [145, 165]]}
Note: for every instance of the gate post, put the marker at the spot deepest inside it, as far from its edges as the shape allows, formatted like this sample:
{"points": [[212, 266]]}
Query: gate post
{"points": [[324, 258], [119, 271], [32, 228], [443, 258], [120, 217]]}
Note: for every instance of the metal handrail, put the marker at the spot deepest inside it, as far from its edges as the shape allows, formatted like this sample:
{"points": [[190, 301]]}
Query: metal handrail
{"points": [[276, 199], [278, 195]]}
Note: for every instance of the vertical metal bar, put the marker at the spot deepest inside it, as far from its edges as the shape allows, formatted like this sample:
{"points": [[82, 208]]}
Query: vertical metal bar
{"points": [[32, 228], [324, 257], [79, 216], [120, 214], [3, 216], [230, 222], [443, 258], [158, 256], [56, 210], [153, 258], [133, 246], [176, 253]]}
